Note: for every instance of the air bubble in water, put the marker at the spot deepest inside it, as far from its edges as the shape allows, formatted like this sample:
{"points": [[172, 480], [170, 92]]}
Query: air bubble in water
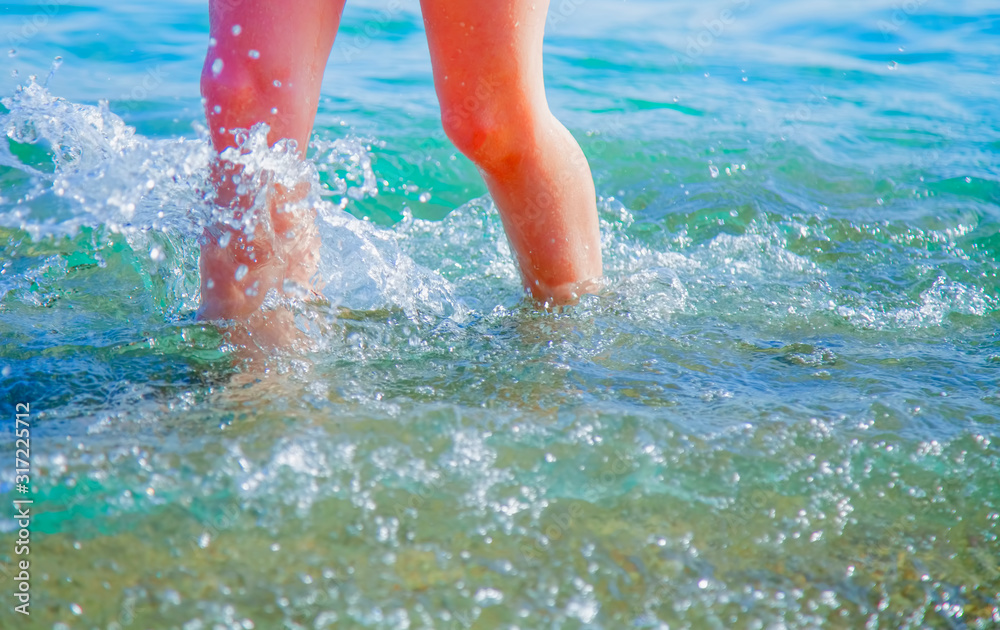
{"points": [[714, 170], [425, 197], [237, 29], [156, 254], [241, 272], [224, 240], [277, 83], [292, 288], [12, 52], [217, 66], [893, 65], [254, 54]]}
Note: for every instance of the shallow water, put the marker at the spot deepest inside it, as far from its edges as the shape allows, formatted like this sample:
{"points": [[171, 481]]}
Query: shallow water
{"points": [[782, 412]]}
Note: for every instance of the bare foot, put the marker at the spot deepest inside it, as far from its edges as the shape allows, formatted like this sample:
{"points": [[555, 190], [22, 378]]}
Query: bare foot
{"points": [[240, 266]]}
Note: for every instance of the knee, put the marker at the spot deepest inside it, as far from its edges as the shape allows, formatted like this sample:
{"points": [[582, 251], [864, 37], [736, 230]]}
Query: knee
{"points": [[486, 131]]}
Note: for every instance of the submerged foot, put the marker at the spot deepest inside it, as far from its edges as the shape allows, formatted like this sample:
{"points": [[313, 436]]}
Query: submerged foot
{"points": [[276, 252]]}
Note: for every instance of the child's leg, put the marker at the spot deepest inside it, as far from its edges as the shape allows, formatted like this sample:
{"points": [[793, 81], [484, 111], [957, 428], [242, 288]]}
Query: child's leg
{"points": [[487, 57], [265, 64]]}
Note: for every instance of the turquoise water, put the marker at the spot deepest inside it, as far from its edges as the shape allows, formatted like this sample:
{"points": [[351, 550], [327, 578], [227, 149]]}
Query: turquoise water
{"points": [[782, 411]]}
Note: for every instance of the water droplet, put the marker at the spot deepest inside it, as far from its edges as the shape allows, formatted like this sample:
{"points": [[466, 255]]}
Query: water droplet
{"points": [[744, 79], [156, 254], [172, 597], [225, 238], [210, 284], [277, 83], [217, 66], [292, 287], [12, 52], [488, 596], [254, 54], [241, 272], [217, 109], [76, 608], [5, 371], [212, 42], [274, 110], [702, 583], [968, 180], [714, 170], [237, 29], [425, 197], [893, 65]]}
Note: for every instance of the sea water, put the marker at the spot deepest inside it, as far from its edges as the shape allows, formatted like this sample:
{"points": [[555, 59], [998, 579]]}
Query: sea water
{"points": [[781, 412]]}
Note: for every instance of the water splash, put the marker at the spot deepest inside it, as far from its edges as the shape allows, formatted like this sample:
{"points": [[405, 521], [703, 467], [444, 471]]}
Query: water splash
{"points": [[81, 167], [86, 167]]}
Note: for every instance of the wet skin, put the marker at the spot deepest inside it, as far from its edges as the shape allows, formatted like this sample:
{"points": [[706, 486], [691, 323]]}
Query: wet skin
{"points": [[265, 65]]}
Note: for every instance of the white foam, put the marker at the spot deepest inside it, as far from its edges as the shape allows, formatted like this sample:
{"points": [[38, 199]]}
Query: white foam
{"points": [[158, 193]]}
